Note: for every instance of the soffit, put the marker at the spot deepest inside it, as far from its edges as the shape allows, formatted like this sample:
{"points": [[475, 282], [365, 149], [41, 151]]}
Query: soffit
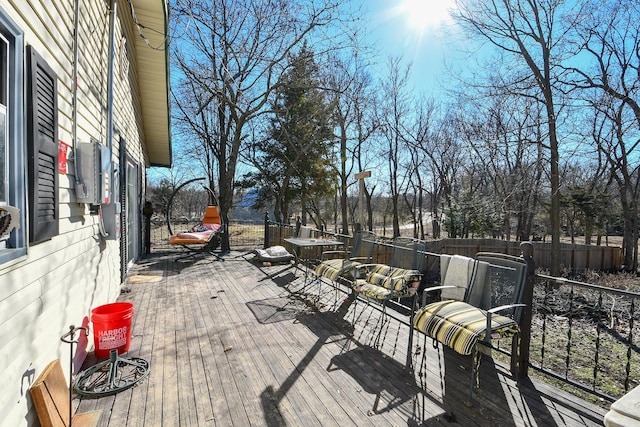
{"points": [[152, 65]]}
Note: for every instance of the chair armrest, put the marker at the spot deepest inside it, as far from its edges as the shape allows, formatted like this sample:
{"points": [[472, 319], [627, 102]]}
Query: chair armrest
{"points": [[426, 291], [369, 265], [435, 288], [504, 307], [333, 253], [361, 270], [487, 334], [365, 266]]}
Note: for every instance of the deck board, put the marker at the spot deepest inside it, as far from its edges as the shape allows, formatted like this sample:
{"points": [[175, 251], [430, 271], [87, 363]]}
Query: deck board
{"points": [[307, 409], [235, 344]]}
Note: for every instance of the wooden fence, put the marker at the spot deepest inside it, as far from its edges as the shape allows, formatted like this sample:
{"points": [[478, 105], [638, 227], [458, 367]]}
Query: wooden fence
{"points": [[574, 257]]}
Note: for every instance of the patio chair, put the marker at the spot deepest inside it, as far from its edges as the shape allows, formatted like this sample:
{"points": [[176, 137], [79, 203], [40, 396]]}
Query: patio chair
{"points": [[399, 279], [468, 325], [341, 267], [305, 232], [203, 239]]}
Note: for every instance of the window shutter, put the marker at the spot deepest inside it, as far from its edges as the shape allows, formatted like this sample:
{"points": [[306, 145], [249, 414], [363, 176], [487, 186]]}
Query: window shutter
{"points": [[42, 146]]}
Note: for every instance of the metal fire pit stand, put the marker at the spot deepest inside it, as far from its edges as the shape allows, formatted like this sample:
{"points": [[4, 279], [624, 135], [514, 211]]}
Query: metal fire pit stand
{"points": [[112, 375], [69, 339]]}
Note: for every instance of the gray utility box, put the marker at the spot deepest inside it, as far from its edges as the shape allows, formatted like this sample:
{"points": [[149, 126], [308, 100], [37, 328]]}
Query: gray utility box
{"points": [[94, 167]]}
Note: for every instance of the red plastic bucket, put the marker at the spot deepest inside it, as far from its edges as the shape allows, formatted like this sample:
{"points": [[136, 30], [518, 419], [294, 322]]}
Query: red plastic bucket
{"points": [[112, 328]]}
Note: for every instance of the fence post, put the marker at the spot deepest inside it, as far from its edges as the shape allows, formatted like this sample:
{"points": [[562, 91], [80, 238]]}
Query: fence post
{"points": [[526, 249], [266, 230]]}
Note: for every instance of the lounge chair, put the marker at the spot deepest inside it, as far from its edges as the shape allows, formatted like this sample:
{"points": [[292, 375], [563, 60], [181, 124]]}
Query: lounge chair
{"points": [[203, 239]]}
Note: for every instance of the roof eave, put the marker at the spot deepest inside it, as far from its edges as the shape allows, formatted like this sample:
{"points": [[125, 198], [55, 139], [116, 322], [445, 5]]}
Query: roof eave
{"points": [[152, 59]]}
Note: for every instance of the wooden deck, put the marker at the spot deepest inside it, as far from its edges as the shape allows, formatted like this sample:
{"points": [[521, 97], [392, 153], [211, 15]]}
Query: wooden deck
{"points": [[230, 346]]}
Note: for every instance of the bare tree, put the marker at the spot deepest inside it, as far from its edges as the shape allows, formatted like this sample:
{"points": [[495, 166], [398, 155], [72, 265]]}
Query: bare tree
{"points": [[532, 33], [608, 78], [393, 116], [228, 57], [353, 100], [444, 161], [503, 132], [417, 143], [611, 40], [615, 137]]}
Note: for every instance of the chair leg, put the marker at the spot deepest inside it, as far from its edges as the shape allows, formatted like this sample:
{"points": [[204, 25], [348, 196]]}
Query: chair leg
{"points": [[337, 284], [409, 362], [312, 278], [193, 255], [476, 356], [215, 255], [515, 357], [335, 292], [381, 322]]}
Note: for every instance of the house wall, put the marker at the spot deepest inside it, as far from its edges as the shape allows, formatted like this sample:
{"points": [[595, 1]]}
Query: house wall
{"points": [[60, 280]]}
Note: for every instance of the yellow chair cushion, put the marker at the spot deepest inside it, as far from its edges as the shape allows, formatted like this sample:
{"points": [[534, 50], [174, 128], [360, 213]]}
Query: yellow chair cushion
{"points": [[333, 269], [386, 282], [460, 326]]}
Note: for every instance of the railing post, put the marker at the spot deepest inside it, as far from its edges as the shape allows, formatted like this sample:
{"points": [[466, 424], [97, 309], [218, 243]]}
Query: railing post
{"points": [[266, 230], [526, 249]]}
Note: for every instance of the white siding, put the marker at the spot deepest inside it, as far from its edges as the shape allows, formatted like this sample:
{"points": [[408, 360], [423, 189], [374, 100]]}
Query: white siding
{"points": [[61, 280]]}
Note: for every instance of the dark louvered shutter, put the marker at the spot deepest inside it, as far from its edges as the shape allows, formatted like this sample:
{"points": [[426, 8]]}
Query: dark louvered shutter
{"points": [[42, 143]]}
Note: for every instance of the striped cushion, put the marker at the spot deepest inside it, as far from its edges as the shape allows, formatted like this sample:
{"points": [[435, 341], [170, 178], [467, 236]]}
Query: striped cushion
{"points": [[373, 291], [460, 325], [385, 282], [393, 278], [332, 269]]}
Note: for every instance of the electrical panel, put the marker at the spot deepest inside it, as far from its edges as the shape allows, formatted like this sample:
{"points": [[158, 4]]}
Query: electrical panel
{"points": [[95, 169], [93, 163]]}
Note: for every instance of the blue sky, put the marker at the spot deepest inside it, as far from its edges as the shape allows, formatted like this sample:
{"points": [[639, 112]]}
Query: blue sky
{"points": [[421, 31]]}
